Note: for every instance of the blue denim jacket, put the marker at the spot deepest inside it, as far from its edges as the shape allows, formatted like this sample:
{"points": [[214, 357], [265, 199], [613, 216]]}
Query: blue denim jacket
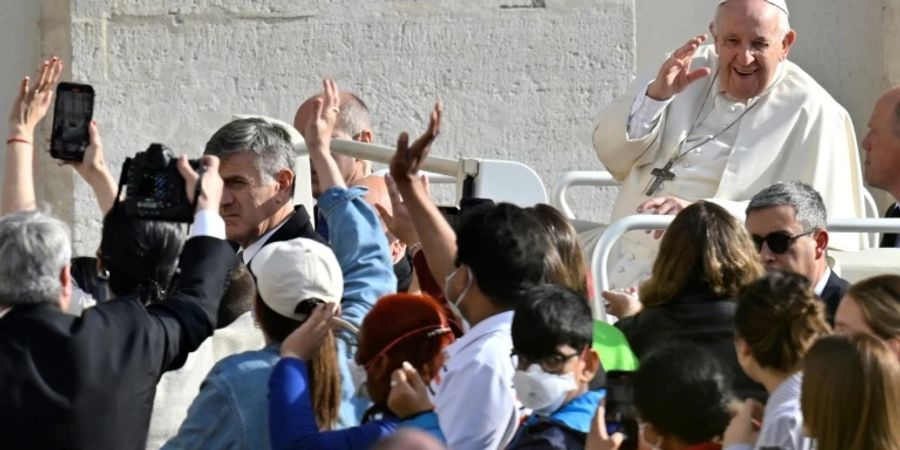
{"points": [[231, 410]]}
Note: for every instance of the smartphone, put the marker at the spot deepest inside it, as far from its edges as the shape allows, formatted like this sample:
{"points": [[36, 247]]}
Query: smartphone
{"points": [[621, 417], [72, 115]]}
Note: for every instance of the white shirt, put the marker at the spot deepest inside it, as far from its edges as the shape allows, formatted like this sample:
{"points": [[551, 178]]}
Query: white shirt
{"points": [[782, 424], [255, 247], [823, 280], [473, 393]]}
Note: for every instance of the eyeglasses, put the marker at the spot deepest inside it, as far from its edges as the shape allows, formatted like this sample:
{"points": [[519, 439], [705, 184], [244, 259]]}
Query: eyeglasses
{"points": [[779, 241], [551, 364]]}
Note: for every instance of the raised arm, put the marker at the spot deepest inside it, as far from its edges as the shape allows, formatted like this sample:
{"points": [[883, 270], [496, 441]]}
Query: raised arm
{"points": [[94, 171], [437, 237], [355, 233], [29, 108]]}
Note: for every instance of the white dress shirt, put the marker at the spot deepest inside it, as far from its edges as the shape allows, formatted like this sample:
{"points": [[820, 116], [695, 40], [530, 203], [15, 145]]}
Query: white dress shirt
{"points": [[473, 393], [782, 424], [254, 248]]}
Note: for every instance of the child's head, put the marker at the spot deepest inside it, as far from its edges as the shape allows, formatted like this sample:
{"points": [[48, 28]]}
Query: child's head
{"points": [[777, 319], [552, 331]]}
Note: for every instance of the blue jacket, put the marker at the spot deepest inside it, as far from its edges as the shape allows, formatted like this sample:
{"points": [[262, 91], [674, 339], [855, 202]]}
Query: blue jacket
{"points": [[565, 428], [292, 421], [231, 410]]}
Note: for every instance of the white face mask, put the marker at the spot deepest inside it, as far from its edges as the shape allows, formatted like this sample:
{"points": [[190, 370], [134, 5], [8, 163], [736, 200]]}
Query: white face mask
{"points": [[543, 392], [454, 303]]}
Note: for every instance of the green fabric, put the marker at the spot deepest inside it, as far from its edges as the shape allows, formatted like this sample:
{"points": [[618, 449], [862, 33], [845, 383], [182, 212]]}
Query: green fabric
{"points": [[611, 344]]}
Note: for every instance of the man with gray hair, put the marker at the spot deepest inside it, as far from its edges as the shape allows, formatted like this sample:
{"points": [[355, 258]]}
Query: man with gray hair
{"points": [[720, 122], [87, 382], [257, 202], [787, 223], [882, 146]]}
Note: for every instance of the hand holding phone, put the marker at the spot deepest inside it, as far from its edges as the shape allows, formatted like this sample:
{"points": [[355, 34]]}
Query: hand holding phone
{"points": [[72, 114]]}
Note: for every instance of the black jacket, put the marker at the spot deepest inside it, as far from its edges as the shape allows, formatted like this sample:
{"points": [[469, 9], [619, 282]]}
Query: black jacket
{"points": [[88, 382], [700, 318], [834, 291]]}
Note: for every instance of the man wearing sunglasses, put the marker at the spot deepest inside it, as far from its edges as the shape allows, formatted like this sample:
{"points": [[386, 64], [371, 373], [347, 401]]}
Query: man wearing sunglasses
{"points": [[787, 224]]}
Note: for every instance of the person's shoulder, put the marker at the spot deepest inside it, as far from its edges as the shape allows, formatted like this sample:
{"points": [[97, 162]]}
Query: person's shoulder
{"points": [[547, 434], [799, 88], [245, 365]]}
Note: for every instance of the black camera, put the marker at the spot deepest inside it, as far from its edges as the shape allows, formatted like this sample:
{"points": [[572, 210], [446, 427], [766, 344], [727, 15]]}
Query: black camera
{"points": [[156, 189], [621, 416]]}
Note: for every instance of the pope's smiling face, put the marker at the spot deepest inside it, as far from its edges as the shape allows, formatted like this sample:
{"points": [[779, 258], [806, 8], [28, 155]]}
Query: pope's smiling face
{"points": [[752, 37]]}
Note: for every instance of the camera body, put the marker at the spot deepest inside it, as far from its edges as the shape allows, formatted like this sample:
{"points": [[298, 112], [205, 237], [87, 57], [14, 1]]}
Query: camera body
{"points": [[156, 189]]}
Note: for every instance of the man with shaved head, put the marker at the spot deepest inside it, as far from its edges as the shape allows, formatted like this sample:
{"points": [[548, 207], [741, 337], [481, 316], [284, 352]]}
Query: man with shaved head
{"points": [[354, 124], [721, 121], [882, 146]]}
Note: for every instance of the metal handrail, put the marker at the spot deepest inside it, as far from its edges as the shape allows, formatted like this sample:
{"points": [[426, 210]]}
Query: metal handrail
{"points": [[383, 154], [577, 178], [600, 255]]}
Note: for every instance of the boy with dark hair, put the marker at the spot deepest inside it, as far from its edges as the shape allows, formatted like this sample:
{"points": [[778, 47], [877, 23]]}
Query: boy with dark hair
{"points": [[552, 332]]}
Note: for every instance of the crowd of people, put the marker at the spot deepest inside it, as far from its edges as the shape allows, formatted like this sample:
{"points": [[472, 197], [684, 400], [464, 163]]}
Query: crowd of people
{"points": [[373, 322]]}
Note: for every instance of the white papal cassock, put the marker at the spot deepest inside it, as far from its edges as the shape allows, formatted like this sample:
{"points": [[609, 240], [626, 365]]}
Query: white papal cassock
{"points": [[794, 130]]}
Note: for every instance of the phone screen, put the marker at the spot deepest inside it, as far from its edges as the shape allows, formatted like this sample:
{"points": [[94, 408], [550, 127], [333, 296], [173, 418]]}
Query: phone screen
{"points": [[72, 113]]}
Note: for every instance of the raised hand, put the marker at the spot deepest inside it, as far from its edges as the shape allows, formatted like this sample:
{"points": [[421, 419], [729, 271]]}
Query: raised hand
{"points": [[94, 171], [598, 438], [33, 101], [675, 74], [211, 183], [408, 159], [399, 223], [320, 129]]}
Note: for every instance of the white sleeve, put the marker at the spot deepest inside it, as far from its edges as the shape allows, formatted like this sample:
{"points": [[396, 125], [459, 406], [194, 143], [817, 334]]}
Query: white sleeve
{"points": [[645, 113], [467, 426], [80, 301], [208, 223]]}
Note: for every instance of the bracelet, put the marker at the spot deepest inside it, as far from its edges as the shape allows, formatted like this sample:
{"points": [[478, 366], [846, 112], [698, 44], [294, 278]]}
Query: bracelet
{"points": [[17, 139]]}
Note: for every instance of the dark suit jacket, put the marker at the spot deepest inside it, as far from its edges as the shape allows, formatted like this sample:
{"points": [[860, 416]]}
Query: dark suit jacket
{"points": [[698, 317], [88, 382], [890, 239], [834, 291], [297, 225]]}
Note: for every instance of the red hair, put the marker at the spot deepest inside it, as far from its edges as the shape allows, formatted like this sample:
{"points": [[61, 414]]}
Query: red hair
{"points": [[406, 327]]}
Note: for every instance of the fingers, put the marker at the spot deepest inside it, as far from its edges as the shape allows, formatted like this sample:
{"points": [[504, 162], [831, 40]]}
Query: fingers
{"points": [[419, 149], [653, 203], [393, 192], [94, 134], [385, 215], [698, 74], [413, 377], [23, 89], [332, 99], [689, 47]]}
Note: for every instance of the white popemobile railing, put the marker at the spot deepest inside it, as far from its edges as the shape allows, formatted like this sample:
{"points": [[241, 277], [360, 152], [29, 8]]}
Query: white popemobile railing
{"points": [[602, 178], [599, 261], [502, 181]]}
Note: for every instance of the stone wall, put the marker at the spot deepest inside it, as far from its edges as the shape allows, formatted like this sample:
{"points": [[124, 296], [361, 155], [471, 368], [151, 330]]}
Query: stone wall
{"points": [[520, 80]]}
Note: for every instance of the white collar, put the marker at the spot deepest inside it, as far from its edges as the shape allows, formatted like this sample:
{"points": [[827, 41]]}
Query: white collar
{"points": [[4, 311], [787, 391], [498, 322], [255, 247], [823, 280]]}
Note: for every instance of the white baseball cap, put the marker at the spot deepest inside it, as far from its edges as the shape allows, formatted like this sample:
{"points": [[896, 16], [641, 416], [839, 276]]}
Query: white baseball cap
{"points": [[289, 272]]}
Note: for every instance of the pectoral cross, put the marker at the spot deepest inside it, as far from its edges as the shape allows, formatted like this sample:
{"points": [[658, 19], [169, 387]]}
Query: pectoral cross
{"points": [[661, 175]]}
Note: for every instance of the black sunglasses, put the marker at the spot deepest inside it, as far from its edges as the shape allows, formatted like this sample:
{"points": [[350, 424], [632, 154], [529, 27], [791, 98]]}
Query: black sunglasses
{"points": [[779, 241]]}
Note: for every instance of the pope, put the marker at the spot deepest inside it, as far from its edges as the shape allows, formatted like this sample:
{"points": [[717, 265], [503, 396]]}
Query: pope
{"points": [[721, 122]]}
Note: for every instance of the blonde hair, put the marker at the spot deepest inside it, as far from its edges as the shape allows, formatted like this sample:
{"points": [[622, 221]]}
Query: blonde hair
{"points": [[851, 394], [704, 244], [567, 267], [879, 300]]}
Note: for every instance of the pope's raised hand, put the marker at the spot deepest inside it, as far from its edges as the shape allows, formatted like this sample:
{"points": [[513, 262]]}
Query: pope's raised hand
{"points": [[675, 74]]}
